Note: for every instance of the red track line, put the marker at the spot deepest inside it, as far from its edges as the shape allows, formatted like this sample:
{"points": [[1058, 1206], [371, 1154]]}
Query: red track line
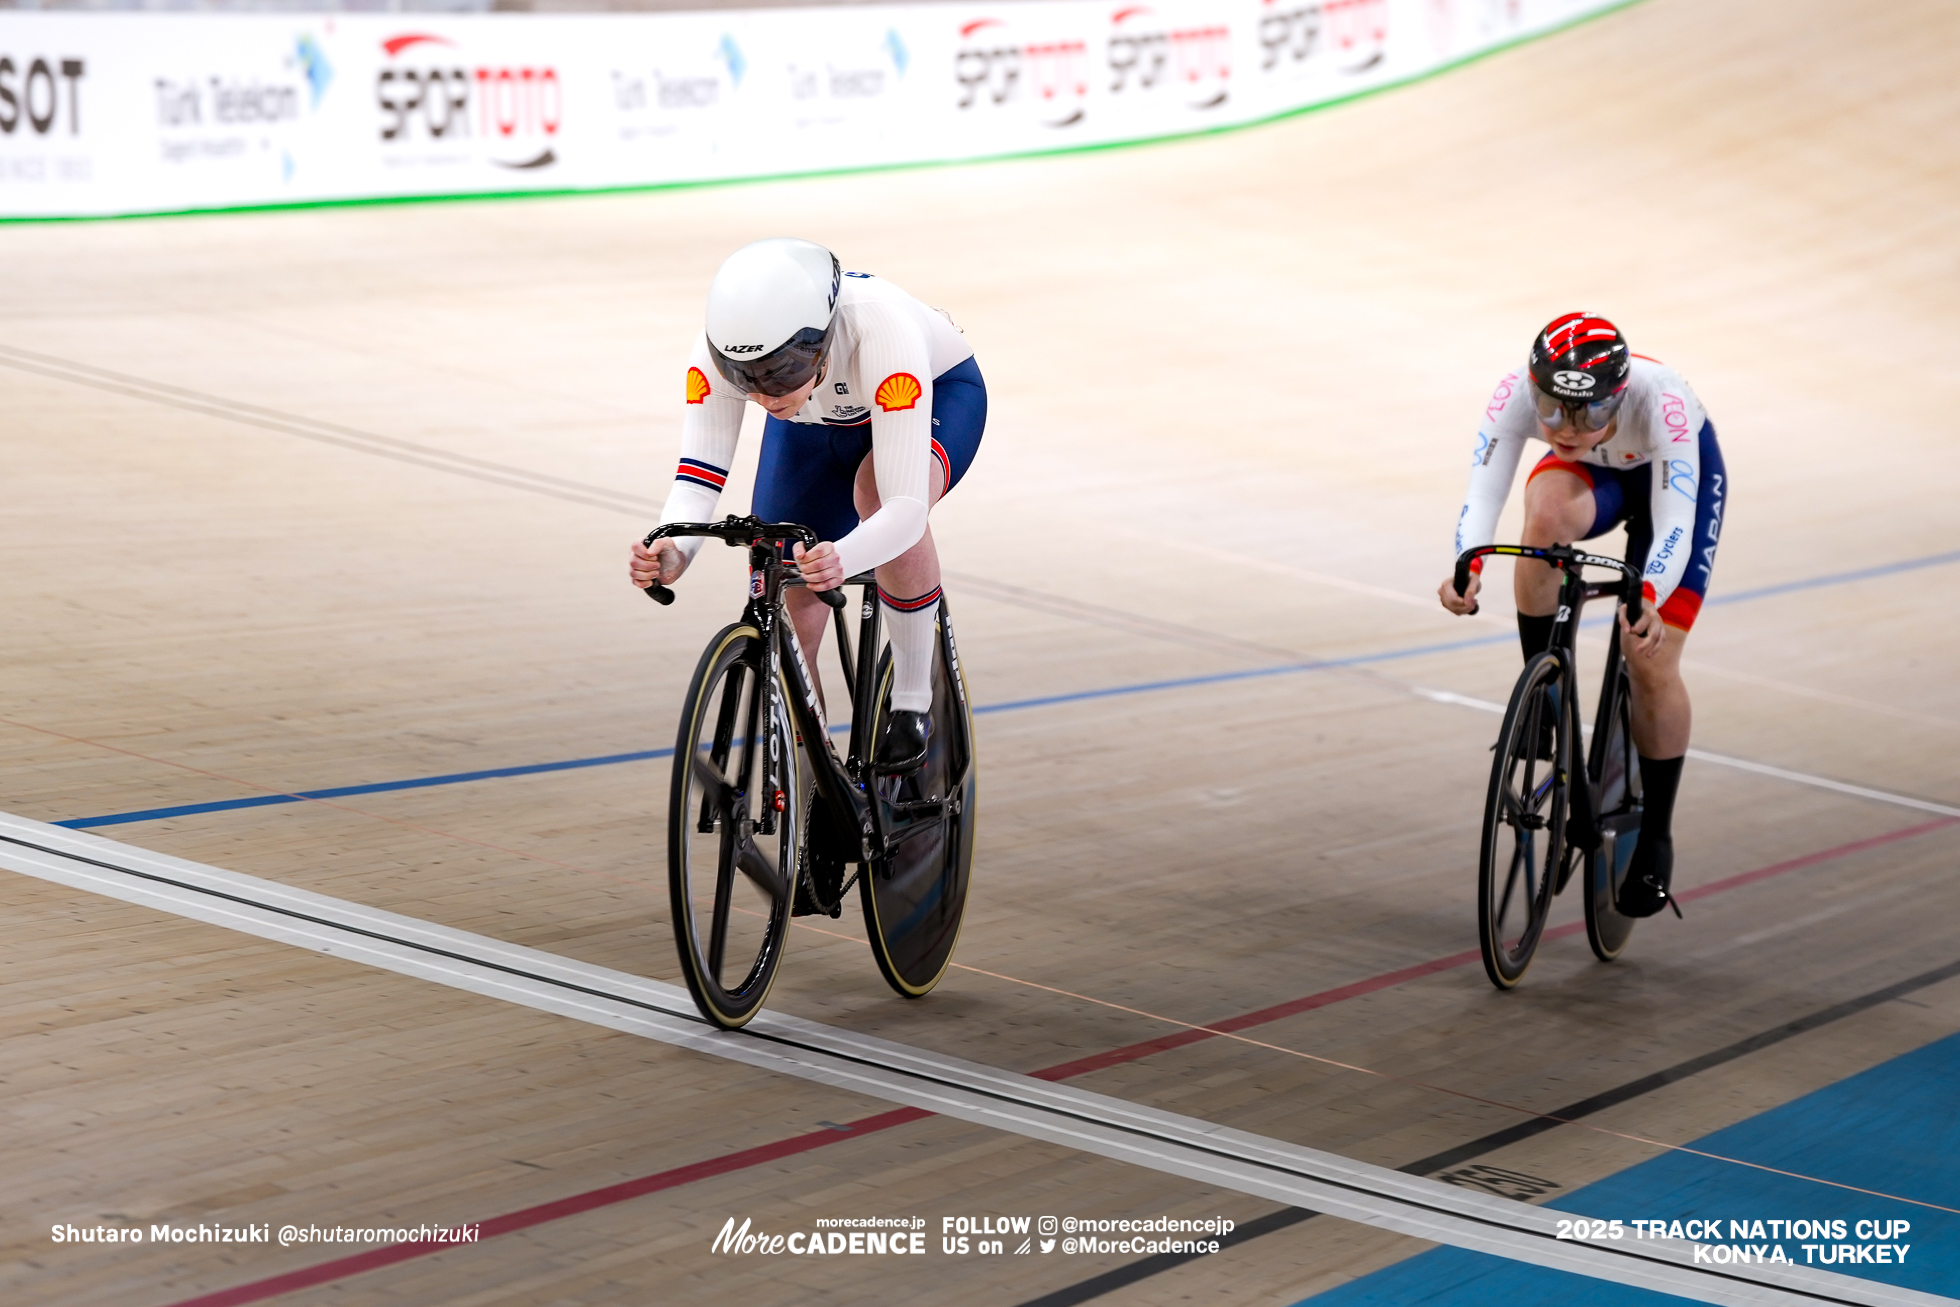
{"points": [[1232, 1025], [510, 1222], [1812, 859]]}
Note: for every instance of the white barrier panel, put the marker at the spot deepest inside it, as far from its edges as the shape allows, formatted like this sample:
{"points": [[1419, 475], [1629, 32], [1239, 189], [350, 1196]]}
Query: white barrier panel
{"points": [[146, 113]]}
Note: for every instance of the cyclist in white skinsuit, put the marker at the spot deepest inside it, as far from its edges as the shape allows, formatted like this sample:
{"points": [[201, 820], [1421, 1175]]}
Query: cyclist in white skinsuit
{"points": [[1629, 442], [1657, 431], [876, 408]]}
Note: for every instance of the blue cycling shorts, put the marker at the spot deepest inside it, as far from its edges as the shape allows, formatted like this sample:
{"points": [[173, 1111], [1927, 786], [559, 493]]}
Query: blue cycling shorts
{"points": [[1625, 495], [808, 470]]}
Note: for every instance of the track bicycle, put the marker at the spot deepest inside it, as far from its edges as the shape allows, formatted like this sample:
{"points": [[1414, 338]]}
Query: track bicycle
{"points": [[766, 821], [1546, 814]]}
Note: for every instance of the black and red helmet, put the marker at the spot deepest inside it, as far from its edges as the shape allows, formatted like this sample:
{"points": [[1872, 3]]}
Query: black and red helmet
{"points": [[1579, 358]]}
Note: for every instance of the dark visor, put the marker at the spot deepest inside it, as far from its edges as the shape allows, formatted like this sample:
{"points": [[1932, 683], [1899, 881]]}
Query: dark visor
{"points": [[1555, 412], [782, 371]]}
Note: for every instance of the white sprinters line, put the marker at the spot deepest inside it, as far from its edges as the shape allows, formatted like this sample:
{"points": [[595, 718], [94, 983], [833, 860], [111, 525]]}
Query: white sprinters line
{"points": [[1107, 1127], [1460, 700], [1740, 764], [1825, 783]]}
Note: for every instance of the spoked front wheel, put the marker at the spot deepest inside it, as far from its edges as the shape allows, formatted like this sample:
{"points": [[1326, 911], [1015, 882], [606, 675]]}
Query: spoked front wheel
{"points": [[732, 826], [915, 899], [1524, 821]]}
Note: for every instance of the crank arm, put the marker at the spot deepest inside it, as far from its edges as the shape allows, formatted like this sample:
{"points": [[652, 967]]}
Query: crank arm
{"points": [[757, 867]]}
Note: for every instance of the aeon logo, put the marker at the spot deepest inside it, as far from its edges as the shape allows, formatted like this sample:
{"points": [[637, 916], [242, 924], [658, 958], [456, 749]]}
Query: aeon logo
{"points": [[1674, 412], [1051, 76], [1356, 31], [1144, 56], [431, 94], [1501, 396]]}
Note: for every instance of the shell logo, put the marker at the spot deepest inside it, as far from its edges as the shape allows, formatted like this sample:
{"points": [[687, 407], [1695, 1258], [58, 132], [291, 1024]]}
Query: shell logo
{"points": [[697, 386], [901, 390]]}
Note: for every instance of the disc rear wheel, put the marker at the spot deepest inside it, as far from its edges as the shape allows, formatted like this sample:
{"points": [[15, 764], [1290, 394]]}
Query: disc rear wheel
{"points": [[1616, 764], [915, 899], [1524, 822]]}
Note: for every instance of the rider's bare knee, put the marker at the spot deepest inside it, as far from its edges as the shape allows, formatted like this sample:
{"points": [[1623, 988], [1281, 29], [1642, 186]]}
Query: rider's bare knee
{"points": [[1557, 509]]}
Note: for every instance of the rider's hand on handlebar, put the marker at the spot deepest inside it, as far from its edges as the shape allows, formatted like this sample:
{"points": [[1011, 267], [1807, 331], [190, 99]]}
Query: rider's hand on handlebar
{"points": [[1462, 605], [1646, 635], [663, 563], [821, 568]]}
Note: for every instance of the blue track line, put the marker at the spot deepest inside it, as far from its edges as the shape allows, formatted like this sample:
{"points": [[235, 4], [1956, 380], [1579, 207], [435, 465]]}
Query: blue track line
{"points": [[1840, 578], [1014, 705], [347, 791]]}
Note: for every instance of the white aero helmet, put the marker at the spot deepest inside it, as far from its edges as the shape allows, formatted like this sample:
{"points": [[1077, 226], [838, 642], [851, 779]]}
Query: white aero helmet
{"points": [[770, 310]]}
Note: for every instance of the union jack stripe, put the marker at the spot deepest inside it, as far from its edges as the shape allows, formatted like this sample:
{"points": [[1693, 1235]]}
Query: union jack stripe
{"points": [[701, 474], [945, 464], [910, 605], [1576, 329]]}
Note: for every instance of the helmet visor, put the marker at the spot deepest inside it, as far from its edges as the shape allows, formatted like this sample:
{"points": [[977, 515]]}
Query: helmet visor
{"points": [[1557, 413], [783, 370]]}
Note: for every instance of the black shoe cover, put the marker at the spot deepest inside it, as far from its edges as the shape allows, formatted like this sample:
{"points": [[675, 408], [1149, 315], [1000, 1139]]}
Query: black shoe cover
{"points": [[904, 747], [1644, 892]]}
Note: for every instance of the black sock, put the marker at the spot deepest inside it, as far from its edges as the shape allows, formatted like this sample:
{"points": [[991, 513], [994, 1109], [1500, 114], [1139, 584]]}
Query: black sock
{"points": [[1659, 779], [1535, 633]]}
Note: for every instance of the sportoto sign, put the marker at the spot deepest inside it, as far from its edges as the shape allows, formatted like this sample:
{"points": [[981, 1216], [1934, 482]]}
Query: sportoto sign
{"points": [[115, 113]]}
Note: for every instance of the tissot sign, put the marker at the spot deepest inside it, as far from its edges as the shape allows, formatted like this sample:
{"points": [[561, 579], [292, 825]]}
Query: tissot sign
{"points": [[31, 93], [154, 112]]}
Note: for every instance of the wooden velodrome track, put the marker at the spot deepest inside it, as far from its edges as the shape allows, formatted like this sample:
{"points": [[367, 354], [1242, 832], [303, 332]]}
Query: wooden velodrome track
{"points": [[1233, 383]]}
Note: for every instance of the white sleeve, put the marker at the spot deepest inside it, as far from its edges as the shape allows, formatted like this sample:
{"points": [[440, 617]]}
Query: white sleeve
{"points": [[1677, 489], [710, 428], [1493, 465], [894, 361]]}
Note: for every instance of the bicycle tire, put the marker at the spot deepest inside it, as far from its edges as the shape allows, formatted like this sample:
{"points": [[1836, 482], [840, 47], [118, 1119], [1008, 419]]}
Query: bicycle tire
{"points": [[1615, 772], [730, 939], [915, 899], [1524, 821]]}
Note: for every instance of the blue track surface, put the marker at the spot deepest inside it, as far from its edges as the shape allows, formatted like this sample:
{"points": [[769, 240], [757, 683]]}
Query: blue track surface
{"points": [[1892, 1128], [1114, 691]]}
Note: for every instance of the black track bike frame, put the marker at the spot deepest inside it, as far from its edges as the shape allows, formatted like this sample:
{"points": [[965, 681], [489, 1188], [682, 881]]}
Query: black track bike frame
{"points": [[843, 784], [1582, 826]]}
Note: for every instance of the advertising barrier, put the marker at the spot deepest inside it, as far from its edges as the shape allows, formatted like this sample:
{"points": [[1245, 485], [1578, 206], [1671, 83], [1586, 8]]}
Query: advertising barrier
{"points": [[104, 114]]}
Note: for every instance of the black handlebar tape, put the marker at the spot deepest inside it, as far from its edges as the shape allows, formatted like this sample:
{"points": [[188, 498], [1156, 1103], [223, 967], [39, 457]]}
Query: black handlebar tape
{"points": [[835, 598], [1462, 576], [660, 594], [1633, 600]]}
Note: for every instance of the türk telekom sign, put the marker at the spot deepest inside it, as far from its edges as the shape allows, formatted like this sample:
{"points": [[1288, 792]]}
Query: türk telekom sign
{"points": [[146, 113]]}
